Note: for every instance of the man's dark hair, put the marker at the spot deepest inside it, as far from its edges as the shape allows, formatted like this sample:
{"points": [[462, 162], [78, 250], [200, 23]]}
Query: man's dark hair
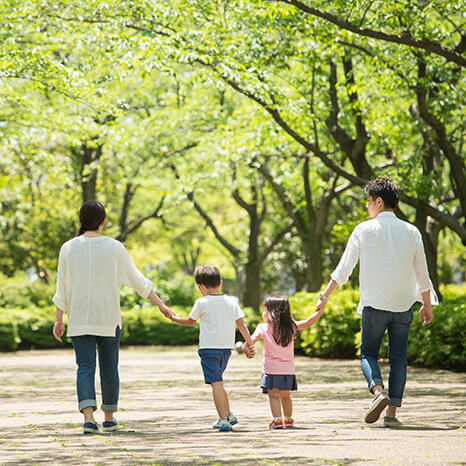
{"points": [[207, 275], [384, 188]]}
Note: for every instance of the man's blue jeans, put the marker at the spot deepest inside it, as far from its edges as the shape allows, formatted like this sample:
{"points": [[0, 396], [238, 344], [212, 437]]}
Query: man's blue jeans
{"points": [[85, 350], [373, 325]]}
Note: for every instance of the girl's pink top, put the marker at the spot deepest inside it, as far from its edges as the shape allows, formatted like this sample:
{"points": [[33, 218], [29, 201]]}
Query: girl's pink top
{"points": [[278, 360]]}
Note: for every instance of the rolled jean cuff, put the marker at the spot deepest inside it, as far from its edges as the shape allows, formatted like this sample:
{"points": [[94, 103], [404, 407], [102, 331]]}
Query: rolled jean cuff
{"points": [[395, 402], [375, 382], [109, 408], [86, 404]]}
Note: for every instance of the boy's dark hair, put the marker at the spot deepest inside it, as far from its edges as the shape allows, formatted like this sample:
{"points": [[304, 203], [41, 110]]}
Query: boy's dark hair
{"points": [[384, 188], [283, 325], [207, 275]]}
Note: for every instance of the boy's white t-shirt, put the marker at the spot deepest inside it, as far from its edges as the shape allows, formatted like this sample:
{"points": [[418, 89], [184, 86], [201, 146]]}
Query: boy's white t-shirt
{"points": [[217, 315]]}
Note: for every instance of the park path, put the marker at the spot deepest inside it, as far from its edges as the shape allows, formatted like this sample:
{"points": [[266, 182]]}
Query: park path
{"points": [[166, 411]]}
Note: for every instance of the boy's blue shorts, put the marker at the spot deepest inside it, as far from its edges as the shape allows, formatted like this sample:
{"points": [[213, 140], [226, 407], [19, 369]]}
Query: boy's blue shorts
{"points": [[214, 362]]}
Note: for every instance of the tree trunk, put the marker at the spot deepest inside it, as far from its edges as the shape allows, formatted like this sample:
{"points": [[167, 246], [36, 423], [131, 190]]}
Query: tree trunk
{"points": [[253, 295]]}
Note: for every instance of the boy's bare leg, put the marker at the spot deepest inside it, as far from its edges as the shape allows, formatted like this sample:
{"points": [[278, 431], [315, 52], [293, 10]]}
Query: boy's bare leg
{"points": [[220, 399], [287, 404], [275, 405]]}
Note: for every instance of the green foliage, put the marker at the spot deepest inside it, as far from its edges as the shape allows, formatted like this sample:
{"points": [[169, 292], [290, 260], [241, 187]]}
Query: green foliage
{"points": [[149, 327], [441, 344], [332, 336], [9, 338], [18, 292]]}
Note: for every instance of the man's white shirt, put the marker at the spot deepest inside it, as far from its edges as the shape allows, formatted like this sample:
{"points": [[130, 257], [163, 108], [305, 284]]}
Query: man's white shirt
{"points": [[392, 264]]}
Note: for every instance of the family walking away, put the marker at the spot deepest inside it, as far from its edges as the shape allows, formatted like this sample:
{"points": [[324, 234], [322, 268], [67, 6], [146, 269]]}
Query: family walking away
{"points": [[393, 275]]}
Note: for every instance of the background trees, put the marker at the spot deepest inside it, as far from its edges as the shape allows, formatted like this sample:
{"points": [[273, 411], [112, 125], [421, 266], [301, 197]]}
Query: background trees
{"points": [[235, 132]]}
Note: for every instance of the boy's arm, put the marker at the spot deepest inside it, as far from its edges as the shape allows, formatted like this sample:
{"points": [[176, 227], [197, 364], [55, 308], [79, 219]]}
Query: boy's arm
{"points": [[312, 319], [186, 321], [244, 331]]}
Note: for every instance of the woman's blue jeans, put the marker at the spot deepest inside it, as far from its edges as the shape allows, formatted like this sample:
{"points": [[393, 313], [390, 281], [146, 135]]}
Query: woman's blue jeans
{"points": [[373, 325], [85, 351]]}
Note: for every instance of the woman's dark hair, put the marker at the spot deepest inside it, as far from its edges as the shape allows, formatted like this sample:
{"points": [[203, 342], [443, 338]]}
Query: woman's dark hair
{"points": [[283, 325], [384, 188], [91, 215]]}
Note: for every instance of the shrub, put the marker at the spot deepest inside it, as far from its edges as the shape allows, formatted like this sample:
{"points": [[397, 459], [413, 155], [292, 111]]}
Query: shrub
{"points": [[9, 338], [332, 336]]}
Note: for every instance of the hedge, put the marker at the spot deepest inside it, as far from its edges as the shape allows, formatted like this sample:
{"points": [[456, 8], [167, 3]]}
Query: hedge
{"points": [[335, 335]]}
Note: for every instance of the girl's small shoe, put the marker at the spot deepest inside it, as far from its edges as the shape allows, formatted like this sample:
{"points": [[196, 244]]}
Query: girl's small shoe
{"points": [[90, 428], [289, 422], [276, 424]]}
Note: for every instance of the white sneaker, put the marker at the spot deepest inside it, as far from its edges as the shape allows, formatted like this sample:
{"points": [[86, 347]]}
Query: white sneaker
{"points": [[224, 425], [392, 422], [379, 403]]}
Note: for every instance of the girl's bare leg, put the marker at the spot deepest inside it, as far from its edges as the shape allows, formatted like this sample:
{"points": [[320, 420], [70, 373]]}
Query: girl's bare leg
{"points": [[275, 405]]}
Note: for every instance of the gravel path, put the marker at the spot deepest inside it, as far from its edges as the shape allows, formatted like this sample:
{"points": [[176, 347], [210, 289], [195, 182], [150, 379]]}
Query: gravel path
{"points": [[166, 412]]}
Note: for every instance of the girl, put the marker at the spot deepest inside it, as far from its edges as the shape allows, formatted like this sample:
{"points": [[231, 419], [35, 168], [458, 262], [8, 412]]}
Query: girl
{"points": [[278, 372]]}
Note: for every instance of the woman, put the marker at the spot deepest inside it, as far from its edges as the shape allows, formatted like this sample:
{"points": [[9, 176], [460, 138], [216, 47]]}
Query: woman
{"points": [[91, 269]]}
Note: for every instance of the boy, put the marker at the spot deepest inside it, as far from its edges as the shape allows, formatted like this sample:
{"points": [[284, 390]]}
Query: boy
{"points": [[217, 314]]}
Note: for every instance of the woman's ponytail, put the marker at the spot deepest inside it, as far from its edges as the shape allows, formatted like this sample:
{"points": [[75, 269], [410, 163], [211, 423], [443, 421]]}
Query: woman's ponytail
{"points": [[91, 216]]}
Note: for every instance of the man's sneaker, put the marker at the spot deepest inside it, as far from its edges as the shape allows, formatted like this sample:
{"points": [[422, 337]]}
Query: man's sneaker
{"points": [[109, 426], [224, 425], [276, 424], [232, 419], [379, 403], [392, 422], [90, 428], [289, 422]]}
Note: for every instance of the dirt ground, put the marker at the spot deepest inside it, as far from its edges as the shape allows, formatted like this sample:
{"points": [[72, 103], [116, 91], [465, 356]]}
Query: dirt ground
{"points": [[166, 412]]}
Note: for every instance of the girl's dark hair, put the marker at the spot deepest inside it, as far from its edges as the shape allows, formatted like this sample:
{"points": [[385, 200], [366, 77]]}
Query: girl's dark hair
{"points": [[283, 325], [91, 215]]}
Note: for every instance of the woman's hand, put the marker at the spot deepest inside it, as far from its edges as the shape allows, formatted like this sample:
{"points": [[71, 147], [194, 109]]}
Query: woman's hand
{"points": [[58, 330], [166, 311]]}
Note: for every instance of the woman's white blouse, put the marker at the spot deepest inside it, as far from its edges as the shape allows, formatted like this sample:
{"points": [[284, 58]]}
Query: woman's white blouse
{"points": [[90, 274]]}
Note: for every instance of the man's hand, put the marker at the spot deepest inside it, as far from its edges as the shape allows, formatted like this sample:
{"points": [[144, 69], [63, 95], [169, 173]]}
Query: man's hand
{"points": [[58, 329], [426, 314], [249, 351]]}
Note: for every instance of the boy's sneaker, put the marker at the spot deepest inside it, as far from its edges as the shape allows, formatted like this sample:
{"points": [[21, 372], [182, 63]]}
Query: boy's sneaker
{"points": [[109, 426], [289, 422], [379, 403], [224, 425], [90, 428], [392, 422], [276, 424], [232, 419]]}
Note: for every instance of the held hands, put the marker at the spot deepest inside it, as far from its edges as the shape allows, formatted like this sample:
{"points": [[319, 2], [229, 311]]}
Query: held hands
{"points": [[426, 314], [321, 303], [166, 311], [58, 329], [249, 351]]}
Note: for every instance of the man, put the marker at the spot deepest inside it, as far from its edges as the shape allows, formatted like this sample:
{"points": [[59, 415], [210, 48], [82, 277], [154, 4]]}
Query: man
{"points": [[393, 276]]}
